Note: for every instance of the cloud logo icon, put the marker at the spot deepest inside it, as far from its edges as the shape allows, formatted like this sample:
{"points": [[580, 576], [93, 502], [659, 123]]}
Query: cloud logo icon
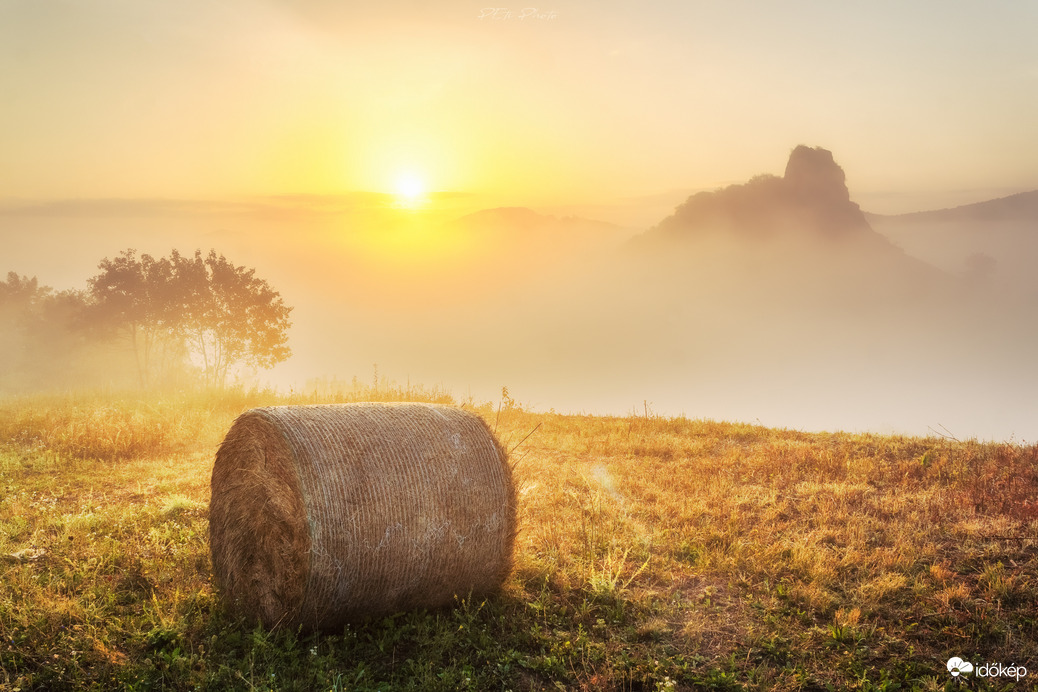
{"points": [[956, 666]]}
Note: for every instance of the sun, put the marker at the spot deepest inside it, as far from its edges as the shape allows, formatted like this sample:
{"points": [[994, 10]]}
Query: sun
{"points": [[410, 190]]}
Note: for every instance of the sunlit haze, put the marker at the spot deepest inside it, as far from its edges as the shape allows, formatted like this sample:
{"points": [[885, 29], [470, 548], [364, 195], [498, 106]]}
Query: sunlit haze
{"points": [[582, 102], [487, 197], [410, 190]]}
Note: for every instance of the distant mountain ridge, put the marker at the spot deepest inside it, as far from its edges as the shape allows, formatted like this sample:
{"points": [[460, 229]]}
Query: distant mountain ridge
{"points": [[995, 241], [1022, 205], [524, 219]]}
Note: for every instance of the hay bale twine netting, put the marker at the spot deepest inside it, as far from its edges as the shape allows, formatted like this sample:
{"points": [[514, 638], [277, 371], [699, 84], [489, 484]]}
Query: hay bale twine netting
{"points": [[323, 515]]}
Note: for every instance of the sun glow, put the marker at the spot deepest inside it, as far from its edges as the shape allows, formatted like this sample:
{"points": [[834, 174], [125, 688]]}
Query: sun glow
{"points": [[410, 190]]}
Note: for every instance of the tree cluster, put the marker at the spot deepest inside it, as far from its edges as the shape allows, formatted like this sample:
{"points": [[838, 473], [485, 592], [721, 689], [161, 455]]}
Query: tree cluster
{"points": [[171, 318], [44, 339]]}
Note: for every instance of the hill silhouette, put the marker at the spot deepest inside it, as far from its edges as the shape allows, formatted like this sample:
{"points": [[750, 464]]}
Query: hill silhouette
{"points": [[523, 224], [531, 245], [991, 244], [796, 236], [1022, 206], [810, 201]]}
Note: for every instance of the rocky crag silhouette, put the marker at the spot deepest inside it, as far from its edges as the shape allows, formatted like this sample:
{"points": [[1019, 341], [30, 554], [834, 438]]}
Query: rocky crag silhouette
{"points": [[772, 235], [810, 200]]}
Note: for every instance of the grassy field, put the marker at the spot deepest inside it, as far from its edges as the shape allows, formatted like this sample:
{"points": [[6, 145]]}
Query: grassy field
{"points": [[654, 554]]}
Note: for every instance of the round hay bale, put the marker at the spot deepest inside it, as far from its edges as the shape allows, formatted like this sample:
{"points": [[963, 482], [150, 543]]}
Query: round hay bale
{"points": [[323, 515]]}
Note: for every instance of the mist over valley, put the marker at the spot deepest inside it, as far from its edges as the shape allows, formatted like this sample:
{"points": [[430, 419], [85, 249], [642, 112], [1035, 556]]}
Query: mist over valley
{"points": [[776, 300]]}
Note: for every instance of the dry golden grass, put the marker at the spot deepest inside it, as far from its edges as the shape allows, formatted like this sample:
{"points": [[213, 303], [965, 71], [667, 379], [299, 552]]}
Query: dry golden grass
{"points": [[653, 554], [749, 533]]}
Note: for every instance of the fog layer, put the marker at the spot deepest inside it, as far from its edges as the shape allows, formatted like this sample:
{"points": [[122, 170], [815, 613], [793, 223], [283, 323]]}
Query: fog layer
{"points": [[777, 300]]}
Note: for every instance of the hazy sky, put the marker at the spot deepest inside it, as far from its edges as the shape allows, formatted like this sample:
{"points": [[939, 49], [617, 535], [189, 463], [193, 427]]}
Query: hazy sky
{"points": [[922, 102]]}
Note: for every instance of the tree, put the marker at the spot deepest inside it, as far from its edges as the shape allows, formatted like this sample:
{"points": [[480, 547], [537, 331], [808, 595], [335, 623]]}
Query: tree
{"points": [[20, 299], [45, 339], [228, 315], [134, 295], [203, 310]]}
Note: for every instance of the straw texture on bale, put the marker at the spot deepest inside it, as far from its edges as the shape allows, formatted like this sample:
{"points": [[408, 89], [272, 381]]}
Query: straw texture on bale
{"points": [[324, 515]]}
